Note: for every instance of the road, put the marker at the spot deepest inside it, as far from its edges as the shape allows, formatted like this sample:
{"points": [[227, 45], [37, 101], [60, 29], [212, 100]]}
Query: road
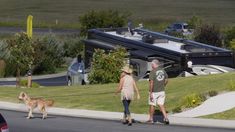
{"points": [[17, 122], [13, 30], [55, 81]]}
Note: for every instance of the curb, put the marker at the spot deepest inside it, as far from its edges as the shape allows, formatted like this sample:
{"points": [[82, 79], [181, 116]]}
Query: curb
{"points": [[116, 116]]}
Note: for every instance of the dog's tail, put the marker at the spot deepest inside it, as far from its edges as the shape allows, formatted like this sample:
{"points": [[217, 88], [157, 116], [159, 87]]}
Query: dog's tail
{"points": [[50, 102]]}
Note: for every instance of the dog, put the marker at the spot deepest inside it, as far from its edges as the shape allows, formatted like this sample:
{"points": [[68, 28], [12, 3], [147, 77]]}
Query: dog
{"points": [[32, 103]]}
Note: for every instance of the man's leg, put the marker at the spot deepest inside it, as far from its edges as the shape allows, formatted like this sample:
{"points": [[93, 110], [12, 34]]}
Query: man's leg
{"points": [[161, 101], [163, 110], [151, 112]]}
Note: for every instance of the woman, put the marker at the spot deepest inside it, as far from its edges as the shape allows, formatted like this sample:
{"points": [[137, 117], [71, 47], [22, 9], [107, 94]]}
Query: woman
{"points": [[127, 86]]}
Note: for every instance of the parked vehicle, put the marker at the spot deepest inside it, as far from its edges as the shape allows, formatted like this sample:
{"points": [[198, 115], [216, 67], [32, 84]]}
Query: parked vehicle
{"points": [[178, 28], [75, 73], [3, 124]]}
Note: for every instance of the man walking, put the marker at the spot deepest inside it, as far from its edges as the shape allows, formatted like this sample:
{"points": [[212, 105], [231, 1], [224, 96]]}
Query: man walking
{"points": [[157, 81]]}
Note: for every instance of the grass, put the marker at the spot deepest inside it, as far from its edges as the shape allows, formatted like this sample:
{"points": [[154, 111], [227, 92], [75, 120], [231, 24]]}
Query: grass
{"points": [[227, 115], [101, 97], [67, 12]]}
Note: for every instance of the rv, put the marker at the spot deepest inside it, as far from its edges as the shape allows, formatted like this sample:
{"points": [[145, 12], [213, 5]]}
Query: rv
{"points": [[143, 46]]}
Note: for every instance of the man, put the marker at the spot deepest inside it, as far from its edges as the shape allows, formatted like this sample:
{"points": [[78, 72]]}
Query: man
{"points": [[157, 81]]}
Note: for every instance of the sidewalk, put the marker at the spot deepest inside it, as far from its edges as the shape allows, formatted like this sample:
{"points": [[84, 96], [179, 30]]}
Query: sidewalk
{"points": [[118, 115], [213, 105]]}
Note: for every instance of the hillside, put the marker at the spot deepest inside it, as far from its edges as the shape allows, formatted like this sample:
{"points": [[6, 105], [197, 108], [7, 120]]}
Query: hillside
{"points": [[67, 11]]}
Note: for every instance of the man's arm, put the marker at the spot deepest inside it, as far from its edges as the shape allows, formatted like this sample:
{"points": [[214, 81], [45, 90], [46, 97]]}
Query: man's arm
{"points": [[166, 78], [151, 89], [136, 90]]}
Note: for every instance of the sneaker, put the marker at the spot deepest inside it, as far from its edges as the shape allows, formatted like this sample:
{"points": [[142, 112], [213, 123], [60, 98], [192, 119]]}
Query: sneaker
{"points": [[166, 121], [125, 122], [149, 121]]}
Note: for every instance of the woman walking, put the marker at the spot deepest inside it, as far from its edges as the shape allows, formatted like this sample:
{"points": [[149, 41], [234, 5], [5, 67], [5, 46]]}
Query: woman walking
{"points": [[127, 86]]}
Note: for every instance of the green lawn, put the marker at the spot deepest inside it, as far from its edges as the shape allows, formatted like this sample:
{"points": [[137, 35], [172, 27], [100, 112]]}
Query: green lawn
{"points": [[227, 115], [14, 12], [101, 97]]}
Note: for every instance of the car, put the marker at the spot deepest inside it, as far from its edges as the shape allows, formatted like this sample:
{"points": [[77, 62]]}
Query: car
{"points": [[76, 73], [180, 27], [3, 124]]}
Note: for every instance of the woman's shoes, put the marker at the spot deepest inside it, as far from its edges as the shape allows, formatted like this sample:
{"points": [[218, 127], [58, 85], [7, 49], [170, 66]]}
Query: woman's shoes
{"points": [[166, 121], [129, 120]]}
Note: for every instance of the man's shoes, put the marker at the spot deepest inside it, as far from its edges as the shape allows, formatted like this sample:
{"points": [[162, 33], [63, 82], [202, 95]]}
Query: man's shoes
{"points": [[166, 121], [149, 121]]}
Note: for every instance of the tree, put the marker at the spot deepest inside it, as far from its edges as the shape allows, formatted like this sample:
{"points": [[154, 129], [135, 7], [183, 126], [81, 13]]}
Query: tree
{"points": [[102, 19], [73, 47], [209, 34], [20, 52], [229, 37], [106, 66], [232, 44], [194, 22], [48, 54]]}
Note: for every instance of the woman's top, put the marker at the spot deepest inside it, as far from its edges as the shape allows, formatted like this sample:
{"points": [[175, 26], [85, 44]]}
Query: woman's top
{"points": [[127, 88]]}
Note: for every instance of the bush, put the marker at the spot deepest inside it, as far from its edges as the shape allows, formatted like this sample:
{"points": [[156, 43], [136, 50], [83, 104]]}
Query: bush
{"points": [[102, 19], [209, 34], [177, 109], [232, 44], [48, 54], [192, 100], [24, 83], [231, 85], [73, 46], [106, 67], [194, 22], [212, 93], [230, 38]]}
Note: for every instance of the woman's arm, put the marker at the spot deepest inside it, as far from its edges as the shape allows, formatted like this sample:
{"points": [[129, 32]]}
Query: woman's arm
{"points": [[119, 88]]}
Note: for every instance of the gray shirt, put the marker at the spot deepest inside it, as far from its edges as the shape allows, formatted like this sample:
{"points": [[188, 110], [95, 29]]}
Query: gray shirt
{"points": [[158, 76]]}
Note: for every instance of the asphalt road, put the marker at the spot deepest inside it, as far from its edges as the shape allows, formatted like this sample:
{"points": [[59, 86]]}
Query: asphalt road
{"points": [[13, 30], [17, 122], [56, 81]]}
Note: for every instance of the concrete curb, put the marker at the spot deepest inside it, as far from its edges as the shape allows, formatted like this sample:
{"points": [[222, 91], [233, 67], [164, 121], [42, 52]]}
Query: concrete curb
{"points": [[228, 124]]}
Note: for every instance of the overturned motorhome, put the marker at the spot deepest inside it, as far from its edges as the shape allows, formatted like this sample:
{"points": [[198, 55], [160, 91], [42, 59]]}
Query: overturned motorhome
{"points": [[144, 45]]}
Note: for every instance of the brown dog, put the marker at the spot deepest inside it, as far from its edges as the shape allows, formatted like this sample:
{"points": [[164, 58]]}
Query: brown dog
{"points": [[32, 103]]}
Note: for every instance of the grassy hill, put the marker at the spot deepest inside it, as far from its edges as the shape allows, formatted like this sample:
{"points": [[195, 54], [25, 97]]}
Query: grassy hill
{"points": [[68, 11], [101, 97]]}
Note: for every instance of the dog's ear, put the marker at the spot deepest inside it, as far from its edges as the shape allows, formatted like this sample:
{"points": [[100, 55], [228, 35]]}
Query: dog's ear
{"points": [[23, 94]]}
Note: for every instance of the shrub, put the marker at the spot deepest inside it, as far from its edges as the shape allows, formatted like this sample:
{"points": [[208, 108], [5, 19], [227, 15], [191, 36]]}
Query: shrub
{"points": [[231, 85], [192, 100], [48, 54], [73, 46], [106, 67], [102, 19], [194, 22], [24, 83], [177, 109], [232, 44], [230, 38], [209, 34], [212, 93]]}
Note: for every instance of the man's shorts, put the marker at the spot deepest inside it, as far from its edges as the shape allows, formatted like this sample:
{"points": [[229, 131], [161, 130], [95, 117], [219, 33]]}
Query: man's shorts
{"points": [[158, 98]]}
